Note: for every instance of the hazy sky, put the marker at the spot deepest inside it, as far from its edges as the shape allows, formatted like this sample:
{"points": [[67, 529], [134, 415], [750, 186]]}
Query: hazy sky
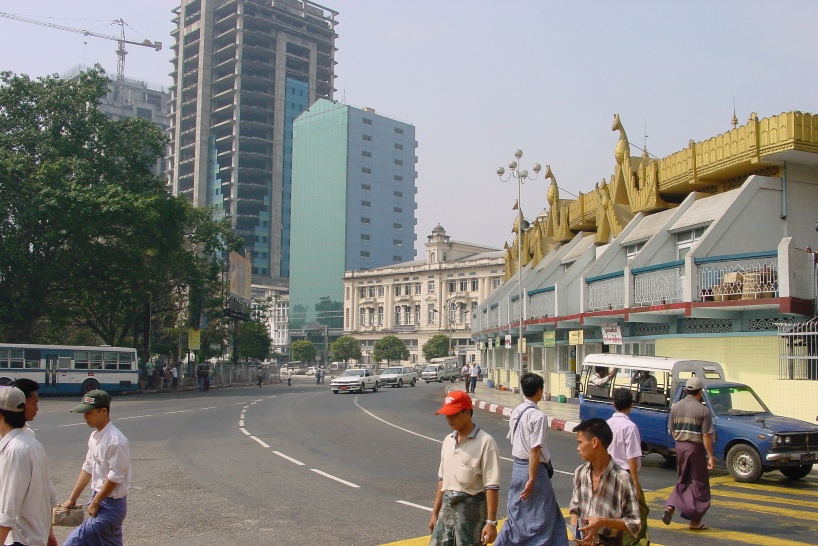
{"points": [[480, 78]]}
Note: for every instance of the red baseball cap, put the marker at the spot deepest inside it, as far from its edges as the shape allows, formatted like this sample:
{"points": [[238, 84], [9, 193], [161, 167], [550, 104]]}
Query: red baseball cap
{"points": [[455, 402]]}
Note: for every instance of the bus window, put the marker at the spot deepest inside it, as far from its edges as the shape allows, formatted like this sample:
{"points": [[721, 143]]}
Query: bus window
{"points": [[96, 360], [32, 363], [4, 358], [16, 358], [110, 361], [125, 361], [64, 362], [81, 360]]}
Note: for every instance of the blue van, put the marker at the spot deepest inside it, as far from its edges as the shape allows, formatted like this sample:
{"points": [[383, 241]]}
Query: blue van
{"points": [[749, 439]]}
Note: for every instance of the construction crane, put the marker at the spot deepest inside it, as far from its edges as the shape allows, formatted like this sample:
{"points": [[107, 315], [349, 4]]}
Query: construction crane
{"points": [[120, 40]]}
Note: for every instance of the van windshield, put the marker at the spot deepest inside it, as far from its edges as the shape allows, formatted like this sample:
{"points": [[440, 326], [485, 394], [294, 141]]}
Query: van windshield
{"points": [[432, 368], [735, 401]]}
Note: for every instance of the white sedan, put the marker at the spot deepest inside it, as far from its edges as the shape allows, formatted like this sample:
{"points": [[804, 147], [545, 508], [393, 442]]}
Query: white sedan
{"points": [[355, 379], [398, 376]]}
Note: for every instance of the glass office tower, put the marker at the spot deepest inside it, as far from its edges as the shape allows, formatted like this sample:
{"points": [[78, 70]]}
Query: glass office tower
{"points": [[353, 203]]}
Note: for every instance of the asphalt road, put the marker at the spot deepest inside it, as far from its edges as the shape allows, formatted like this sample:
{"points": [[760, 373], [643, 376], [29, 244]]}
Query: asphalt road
{"points": [[301, 466]]}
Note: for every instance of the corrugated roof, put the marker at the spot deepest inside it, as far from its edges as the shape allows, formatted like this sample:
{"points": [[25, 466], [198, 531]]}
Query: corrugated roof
{"points": [[704, 211], [648, 227], [579, 249]]}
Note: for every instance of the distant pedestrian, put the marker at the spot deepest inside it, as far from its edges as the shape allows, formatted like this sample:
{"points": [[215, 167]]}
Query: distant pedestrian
{"points": [[26, 492], [626, 451], [200, 378], [107, 468], [464, 373], [30, 389], [207, 375], [604, 503], [174, 377], [323, 373], [289, 375], [534, 517], [465, 509], [692, 427], [473, 374], [260, 376]]}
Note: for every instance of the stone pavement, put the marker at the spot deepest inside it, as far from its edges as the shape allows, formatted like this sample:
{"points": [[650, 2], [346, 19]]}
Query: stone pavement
{"points": [[561, 415]]}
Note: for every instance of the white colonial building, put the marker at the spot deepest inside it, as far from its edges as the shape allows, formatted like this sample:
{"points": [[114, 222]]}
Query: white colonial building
{"points": [[419, 299]]}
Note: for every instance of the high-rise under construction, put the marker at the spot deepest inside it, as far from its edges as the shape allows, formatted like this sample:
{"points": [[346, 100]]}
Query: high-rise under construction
{"points": [[243, 70]]}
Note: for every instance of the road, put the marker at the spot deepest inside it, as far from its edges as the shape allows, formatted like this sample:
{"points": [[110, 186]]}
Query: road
{"points": [[302, 466]]}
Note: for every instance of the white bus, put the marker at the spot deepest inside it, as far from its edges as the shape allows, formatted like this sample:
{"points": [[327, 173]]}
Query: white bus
{"points": [[64, 369]]}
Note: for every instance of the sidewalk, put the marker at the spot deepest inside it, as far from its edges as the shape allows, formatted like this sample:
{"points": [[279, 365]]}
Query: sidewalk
{"points": [[561, 416]]}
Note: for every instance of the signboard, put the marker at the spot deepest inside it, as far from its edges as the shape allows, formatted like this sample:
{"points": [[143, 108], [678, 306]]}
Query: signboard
{"points": [[549, 339], [611, 334], [508, 341], [575, 337], [491, 343], [523, 346], [240, 275], [194, 339]]}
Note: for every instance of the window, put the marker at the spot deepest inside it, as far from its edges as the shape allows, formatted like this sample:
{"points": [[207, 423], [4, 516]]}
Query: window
{"points": [[366, 170], [398, 178], [495, 283], [380, 291], [397, 242], [364, 254], [685, 241], [431, 287], [362, 316], [364, 236], [380, 315], [396, 258], [475, 285], [452, 286], [366, 154], [407, 314], [397, 290], [397, 315], [464, 286], [371, 321], [407, 289], [417, 314], [397, 193], [398, 130], [371, 291], [367, 121], [430, 314], [367, 138], [397, 226], [398, 146], [366, 187], [362, 292], [366, 204], [364, 220], [632, 250], [397, 210], [398, 162], [417, 288]]}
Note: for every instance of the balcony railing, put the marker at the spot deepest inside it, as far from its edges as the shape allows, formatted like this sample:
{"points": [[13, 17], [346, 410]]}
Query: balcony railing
{"points": [[659, 284], [740, 277], [606, 292], [543, 303]]}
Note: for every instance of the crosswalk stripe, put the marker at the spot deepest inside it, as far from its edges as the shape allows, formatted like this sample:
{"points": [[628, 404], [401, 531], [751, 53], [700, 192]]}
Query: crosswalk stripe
{"points": [[760, 508], [791, 489], [764, 498]]}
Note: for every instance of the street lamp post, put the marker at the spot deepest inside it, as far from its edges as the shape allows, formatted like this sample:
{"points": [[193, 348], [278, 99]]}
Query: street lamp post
{"points": [[515, 172]]}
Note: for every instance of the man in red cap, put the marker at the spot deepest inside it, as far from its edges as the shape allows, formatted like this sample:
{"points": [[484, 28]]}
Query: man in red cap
{"points": [[465, 510]]}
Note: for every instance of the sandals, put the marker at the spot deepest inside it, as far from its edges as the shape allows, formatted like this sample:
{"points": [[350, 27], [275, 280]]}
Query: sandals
{"points": [[668, 515], [701, 527]]}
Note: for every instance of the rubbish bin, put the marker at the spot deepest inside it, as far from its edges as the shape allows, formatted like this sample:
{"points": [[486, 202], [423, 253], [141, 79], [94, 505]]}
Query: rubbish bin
{"points": [[561, 399], [490, 383]]}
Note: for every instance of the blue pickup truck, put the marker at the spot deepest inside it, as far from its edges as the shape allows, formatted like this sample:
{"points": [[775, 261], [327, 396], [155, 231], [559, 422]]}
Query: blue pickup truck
{"points": [[749, 439]]}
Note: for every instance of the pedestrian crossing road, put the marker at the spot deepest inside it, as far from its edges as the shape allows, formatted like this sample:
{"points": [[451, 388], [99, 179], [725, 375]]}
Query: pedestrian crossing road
{"points": [[774, 511]]}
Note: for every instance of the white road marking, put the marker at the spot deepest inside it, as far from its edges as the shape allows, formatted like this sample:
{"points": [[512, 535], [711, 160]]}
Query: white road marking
{"points": [[134, 417], [413, 505], [72, 425], [260, 442], [296, 461], [336, 478], [180, 411], [245, 431], [210, 407], [393, 425], [237, 403], [241, 422]]}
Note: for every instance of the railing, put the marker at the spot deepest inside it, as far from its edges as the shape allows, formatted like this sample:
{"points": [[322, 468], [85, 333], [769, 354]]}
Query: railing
{"points": [[543, 303], [798, 350], [739, 277], [659, 284], [606, 292]]}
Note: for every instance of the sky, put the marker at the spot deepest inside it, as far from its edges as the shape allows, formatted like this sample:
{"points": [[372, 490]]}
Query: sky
{"points": [[480, 79]]}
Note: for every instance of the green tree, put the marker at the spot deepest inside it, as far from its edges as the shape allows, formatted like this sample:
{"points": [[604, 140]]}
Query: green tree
{"points": [[390, 348], [303, 351], [346, 348], [89, 236], [254, 340], [436, 347]]}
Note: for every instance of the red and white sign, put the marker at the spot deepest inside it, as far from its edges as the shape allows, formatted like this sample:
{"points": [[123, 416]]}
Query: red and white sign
{"points": [[612, 334], [508, 341]]}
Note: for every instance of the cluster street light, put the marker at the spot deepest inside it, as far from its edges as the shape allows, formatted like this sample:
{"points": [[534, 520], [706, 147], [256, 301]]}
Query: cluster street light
{"points": [[521, 175]]}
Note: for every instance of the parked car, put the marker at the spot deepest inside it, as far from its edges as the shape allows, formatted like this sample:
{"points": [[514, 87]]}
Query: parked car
{"points": [[355, 379], [398, 376], [312, 370], [440, 370], [749, 438]]}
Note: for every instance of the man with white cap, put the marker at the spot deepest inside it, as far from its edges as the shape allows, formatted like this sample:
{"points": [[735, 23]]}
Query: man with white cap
{"points": [[692, 427], [26, 492], [465, 509], [107, 468]]}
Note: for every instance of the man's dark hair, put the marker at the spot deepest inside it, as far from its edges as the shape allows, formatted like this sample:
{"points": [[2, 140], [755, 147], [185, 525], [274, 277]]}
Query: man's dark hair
{"points": [[531, 383], [14, 419], [26, 385], [622, 399], [596, 428], [601, 370]]}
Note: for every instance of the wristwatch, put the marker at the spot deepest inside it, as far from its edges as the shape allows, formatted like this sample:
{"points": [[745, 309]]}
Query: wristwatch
{"points": [[491, 522]]}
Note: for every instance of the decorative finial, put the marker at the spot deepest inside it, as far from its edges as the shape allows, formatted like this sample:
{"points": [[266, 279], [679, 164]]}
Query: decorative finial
{"points": [[734, 121], [645, 143]]}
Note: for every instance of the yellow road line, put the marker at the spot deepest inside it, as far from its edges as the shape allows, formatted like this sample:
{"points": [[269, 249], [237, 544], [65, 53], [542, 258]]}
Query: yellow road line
{"points": [[760, 508], [764, 498], [788, 489]]}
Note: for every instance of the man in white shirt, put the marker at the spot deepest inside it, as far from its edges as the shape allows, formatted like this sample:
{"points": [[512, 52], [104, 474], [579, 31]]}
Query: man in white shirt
{"points": [[107, 468], [626, 451], [26, 492]]}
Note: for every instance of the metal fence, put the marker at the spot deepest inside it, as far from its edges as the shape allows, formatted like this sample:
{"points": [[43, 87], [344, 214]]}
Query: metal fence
{"points": [[745, 279], [659, 286], [798, 350]]}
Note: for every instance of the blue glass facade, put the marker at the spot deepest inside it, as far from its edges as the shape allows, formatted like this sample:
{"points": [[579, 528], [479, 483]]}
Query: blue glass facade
{"points": [[353, 203]]}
